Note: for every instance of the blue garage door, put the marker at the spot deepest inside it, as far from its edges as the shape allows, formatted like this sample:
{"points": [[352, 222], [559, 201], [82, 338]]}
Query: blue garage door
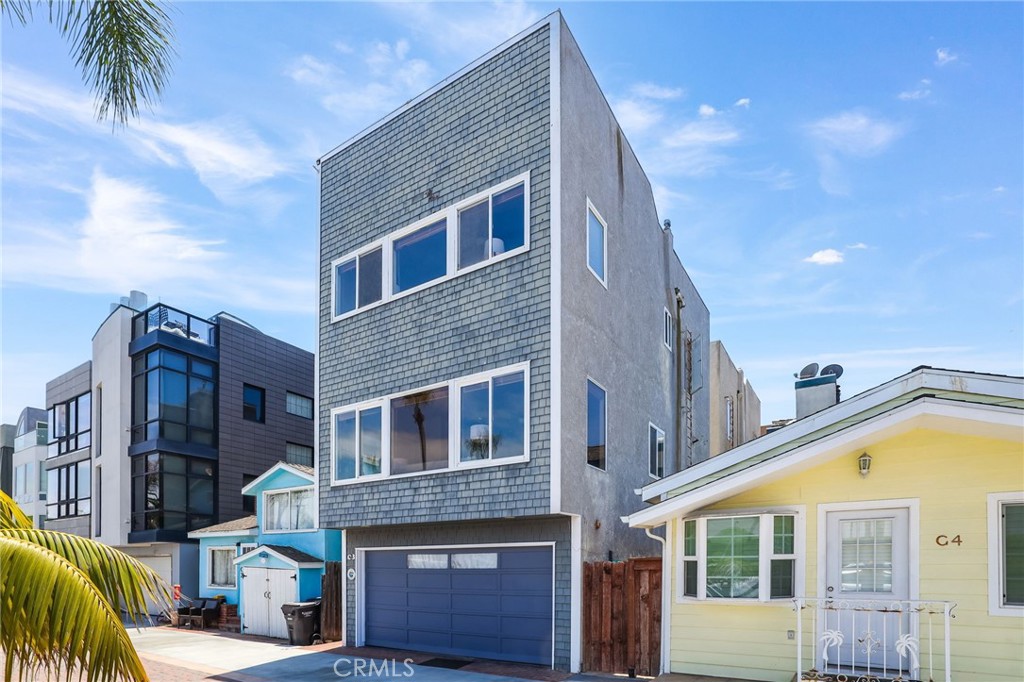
{"points": [[487, 603]]}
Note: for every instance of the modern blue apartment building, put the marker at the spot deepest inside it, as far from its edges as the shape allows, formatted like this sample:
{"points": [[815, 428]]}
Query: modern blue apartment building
{"points": [[509, 346]]}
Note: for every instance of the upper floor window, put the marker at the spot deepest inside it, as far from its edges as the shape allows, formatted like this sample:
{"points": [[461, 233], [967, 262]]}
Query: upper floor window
{"points": [[173, 397], [69, 490], [288, 510], [485, 227], [597, 243], [656, 438], [299, 405], [668, 329], [254, 402], [70, 426], [597, 424], [409, 433], [739, 557], [298, 454], [492, 226]]}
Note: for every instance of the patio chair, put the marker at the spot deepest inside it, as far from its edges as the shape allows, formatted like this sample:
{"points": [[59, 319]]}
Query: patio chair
{"points": [[184, 610], [205, 613]]}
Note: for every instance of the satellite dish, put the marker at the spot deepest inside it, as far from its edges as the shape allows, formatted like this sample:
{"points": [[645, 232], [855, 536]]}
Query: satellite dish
{"points": [[808, 372], [837, 370]]}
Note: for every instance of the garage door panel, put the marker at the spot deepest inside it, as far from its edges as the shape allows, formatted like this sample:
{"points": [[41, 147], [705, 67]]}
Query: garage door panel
{"points": [[472, 606]]}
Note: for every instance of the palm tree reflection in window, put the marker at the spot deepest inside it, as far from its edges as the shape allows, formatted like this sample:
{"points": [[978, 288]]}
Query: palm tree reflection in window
{"points": [[419, 432]]}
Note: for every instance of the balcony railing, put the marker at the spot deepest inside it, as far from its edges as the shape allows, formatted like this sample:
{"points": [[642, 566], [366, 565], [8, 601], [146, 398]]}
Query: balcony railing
{"points": [[176, 322], [872, 639]]}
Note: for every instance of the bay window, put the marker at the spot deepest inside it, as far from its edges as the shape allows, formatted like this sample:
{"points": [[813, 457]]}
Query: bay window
{"points": [[741, 557], [288, 510]]}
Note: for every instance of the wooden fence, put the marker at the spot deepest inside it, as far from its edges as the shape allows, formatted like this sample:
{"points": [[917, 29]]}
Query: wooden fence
{"points": [[332, 624], [622, 616]]}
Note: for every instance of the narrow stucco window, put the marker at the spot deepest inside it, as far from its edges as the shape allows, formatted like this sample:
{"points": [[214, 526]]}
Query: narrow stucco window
{"points": [[597, 243], [656, 444], [597, 425], [668, 328], [421, 256]]}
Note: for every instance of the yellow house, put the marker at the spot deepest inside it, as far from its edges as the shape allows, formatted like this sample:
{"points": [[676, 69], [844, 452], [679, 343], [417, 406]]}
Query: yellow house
{"points": [[883, 535]]}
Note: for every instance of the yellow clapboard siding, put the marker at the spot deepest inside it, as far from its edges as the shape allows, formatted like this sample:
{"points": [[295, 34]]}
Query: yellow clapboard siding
{"points": [[951, 475]]}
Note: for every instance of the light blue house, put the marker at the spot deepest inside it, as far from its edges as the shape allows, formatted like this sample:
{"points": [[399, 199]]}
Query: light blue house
{"points": [[261, 562]]}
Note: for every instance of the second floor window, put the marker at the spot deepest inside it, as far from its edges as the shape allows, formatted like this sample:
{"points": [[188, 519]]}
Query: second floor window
{"points": [[254, 402], [70, 425], [657, 451], [288, 510], [69, 490], [173, 398]]}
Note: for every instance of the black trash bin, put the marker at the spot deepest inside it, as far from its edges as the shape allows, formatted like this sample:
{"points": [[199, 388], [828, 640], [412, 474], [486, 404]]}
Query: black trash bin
{"points": [[303, 619]]}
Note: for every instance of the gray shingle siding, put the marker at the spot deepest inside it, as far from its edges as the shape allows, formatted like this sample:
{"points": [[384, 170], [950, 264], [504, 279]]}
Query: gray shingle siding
{"points": [[542, 530], [485, 127]]}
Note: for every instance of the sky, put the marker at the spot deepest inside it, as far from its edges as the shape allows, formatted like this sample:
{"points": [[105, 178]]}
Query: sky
{"points": [[844, 180]]}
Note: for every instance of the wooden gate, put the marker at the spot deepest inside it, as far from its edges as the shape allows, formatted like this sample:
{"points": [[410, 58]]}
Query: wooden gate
{"points": [[332, 624], [622, 616]]}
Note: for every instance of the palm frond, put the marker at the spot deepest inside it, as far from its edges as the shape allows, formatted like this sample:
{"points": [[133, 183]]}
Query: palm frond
{"points": [[54, 618], [11, 515], [124, 581]]}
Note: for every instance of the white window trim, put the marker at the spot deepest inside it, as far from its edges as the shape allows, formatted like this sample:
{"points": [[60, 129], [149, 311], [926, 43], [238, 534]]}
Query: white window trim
{"points": [[604, 245], [765, 555], [668, 327], [996, 607], [278, 491], [650, 427], [450, 215], [210, 585], [454, 412], [586, 435], [246, 547]]}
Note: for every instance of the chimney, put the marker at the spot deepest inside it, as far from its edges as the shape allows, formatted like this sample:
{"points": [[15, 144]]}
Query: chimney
{"points": [[815, 394]]}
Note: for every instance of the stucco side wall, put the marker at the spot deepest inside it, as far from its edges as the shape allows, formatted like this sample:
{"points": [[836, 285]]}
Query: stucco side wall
{"points": [[951, 477]]}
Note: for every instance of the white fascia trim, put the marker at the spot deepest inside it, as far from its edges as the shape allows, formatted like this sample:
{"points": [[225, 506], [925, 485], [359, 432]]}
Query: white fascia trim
{"points": [[834, 444], [555, 211], [995, 554], [939, 380], [199, 534], [549, 19], [280, 466], [576, 593], [263, 548]]}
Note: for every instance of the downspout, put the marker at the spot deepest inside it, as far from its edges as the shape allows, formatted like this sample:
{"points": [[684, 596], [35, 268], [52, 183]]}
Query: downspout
{"points": [[666, 600], [679, 359]]}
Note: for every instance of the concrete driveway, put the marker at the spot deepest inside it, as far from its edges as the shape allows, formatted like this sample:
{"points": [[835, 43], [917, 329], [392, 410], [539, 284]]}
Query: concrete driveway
{"points": [[257, 660]]}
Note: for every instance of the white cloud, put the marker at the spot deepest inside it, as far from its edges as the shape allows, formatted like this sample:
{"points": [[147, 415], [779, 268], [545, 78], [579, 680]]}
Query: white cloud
{"points": [[775, 177], [998, 189], [654, 91], [825, 257], [308, 70], [703, 134], [857, 246], [706, 111], [943, 56], [466, 29], [636, 116], [922, 91], [743, 102], [666, 198], [854, 133]]}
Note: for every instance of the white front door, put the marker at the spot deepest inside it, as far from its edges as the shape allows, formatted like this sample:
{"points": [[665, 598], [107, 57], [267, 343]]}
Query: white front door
{"points": [[867, 572], [264, 591]]}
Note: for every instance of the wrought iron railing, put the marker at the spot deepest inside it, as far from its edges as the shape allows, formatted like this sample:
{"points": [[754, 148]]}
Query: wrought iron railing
{"points": [[866, 640]]}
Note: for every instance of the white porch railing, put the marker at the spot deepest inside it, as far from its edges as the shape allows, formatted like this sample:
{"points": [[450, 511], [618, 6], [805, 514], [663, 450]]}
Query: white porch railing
{"points": [[851, 640]]}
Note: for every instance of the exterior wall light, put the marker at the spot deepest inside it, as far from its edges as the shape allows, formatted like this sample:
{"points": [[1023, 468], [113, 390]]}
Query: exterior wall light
{"points": [[864, 465]]}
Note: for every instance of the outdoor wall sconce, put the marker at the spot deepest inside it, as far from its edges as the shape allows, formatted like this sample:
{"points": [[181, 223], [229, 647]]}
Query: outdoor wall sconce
{"points": [[263, 557], [864, 465]]}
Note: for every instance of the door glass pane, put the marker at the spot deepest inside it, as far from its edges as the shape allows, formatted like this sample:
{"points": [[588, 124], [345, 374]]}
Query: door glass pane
{"points": [[421, 256], [481, 560], [419, 432], [345, 287], [369, 441], [509, 420], [344, 446], [866, 555], [508, 220], [473, 234], [1013, 553], [475, 430], [370, 277], [732, 557], [427, 561]]}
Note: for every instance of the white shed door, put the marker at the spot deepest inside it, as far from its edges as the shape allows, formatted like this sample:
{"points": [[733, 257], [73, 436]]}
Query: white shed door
{"points": [[264, 591]]}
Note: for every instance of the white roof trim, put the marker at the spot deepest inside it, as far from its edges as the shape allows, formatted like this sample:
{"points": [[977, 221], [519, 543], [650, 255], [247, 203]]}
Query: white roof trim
{"points": [[277, 467], [546, 21], [263, 548], [922, 413], [925, 378], [200, 534]]}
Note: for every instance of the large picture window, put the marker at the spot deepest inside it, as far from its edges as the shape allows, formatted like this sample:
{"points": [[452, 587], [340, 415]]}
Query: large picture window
{"points": [[472, 421], [173, 398], [288, 510], [480, 229], [70, 425], [172, 492], [750, 556]]}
